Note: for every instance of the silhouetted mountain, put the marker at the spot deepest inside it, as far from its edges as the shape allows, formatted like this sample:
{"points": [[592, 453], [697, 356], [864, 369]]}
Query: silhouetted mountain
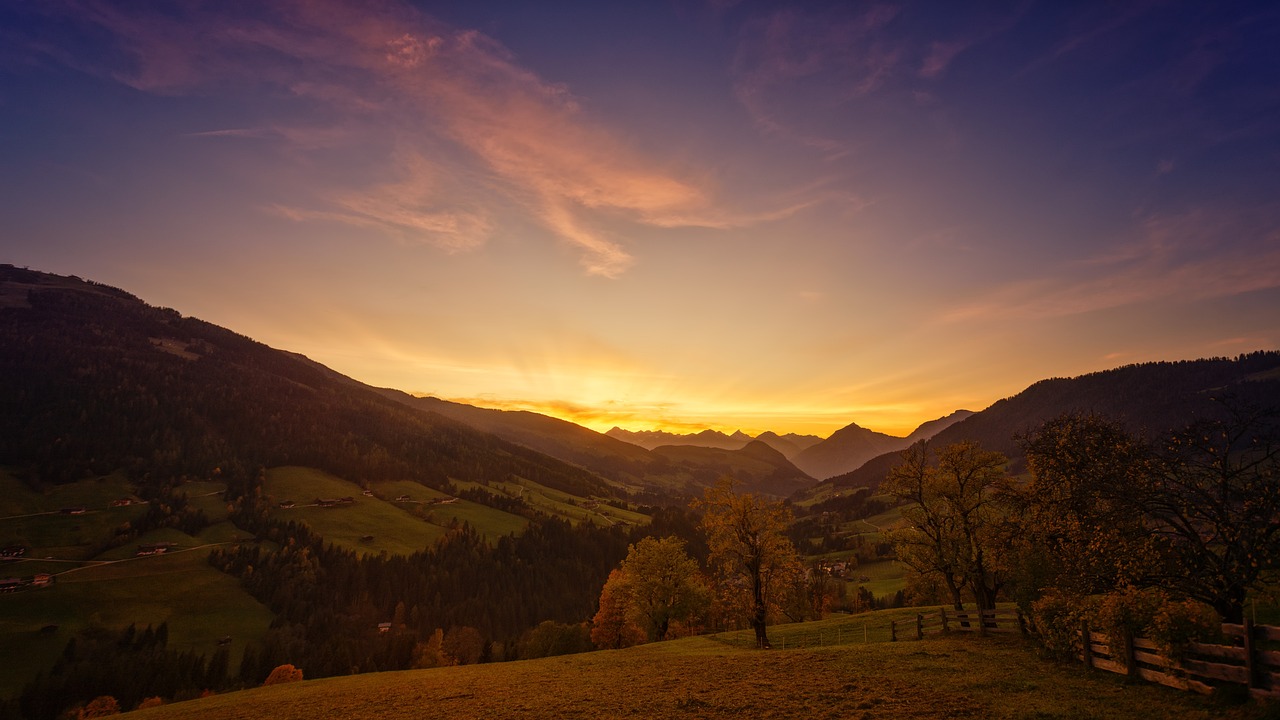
{"points": [[650, 439], [933, 427], [614, 459], [93, 380], [757, 467], [1149, 398], [789, 445], [851, 446]]}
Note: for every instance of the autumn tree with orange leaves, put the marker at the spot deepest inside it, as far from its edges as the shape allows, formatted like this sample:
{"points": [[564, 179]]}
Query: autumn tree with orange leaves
{"points": [[749, 550]]}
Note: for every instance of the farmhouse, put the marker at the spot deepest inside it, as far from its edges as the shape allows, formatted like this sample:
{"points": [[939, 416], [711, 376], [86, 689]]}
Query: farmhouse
{"points": [[122, 502], [402, 498], [41, 579], [326, 502], [367, 493], [13, 552], [384, 627], [73, 510], [286, 504], [153, 549], [12, 584]]}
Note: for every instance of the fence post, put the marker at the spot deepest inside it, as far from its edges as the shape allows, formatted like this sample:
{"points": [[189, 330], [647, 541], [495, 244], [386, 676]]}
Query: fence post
{"points": [[1087, 643], [982, 621], [1250, 655], [945, 628], [1130, 662], [893, 631], [919, 626], [1022, 623]]}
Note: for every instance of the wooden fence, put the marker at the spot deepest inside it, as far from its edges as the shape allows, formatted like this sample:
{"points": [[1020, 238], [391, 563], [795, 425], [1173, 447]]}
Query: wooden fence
{"points": [[1245, 661], [979, 621]]}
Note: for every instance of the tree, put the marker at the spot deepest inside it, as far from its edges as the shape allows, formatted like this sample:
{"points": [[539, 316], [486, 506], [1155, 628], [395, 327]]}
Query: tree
{"points": [[612, 627], [463, 645], [746, 536], [283, 674], [1083, 530], [1214, 506], [101, 706], [1194, 513], [662, 584], [957, 512]]}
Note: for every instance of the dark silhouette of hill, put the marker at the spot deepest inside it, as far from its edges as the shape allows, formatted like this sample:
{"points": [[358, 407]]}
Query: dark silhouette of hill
{"points": [[755, 464], [1149, 398], [93, 380], [851, 446], [614, 459], [758, 467]]}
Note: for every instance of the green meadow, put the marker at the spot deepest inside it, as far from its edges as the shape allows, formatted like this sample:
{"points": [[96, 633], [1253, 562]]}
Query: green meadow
{"points": [[200, 604]]}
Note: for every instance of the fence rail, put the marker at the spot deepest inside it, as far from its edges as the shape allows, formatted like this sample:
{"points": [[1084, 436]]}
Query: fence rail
{"points": [[980, 621], [1201, 666]]}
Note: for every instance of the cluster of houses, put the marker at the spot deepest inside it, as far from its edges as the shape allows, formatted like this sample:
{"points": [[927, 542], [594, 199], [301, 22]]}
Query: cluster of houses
{"points": [[17, 584], [13, 552], [320, 502], [154, 549], [843, 570]]}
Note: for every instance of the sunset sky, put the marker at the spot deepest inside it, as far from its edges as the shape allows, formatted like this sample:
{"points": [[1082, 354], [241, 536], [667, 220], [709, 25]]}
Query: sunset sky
{"points": [[670, 214]]}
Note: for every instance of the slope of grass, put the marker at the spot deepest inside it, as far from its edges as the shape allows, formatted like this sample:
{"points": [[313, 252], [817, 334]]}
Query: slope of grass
{"points": [[945, 677], [32, 518], [489, 522], [566, 506], [199, 603], [394, 530]]}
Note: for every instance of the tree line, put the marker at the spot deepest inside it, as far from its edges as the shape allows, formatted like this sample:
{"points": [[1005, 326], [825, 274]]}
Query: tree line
{"points": [[1188, 516]]}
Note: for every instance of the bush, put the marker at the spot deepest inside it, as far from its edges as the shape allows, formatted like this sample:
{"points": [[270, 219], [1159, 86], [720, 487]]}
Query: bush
{"points": [[101, 706], [283, 674], [1056, 619], [1176, 625], [153, 701]]}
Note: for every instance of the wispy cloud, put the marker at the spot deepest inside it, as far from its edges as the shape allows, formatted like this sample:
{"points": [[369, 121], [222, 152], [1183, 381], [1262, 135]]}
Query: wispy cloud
{"points": [[780, 51], [1187, 257], [439, 94]]}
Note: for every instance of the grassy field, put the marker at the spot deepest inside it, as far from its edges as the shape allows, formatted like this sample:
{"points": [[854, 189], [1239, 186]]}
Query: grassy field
{"points": [[939, 677], [489, 522], [199, 603], [33, 519], [393, 528], [563, 505]]}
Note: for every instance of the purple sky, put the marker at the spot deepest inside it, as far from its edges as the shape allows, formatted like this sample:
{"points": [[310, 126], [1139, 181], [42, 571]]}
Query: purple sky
{"points": [[677, 214]]}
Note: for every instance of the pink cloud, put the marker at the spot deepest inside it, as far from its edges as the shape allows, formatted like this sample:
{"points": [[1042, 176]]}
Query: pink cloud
{"points": [[383, 69]]}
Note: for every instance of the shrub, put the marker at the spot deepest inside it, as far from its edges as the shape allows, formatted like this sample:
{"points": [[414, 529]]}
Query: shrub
{"points": [[153, 701], [101, 706], [1176, 625], [283, 674], [1056, 619]]}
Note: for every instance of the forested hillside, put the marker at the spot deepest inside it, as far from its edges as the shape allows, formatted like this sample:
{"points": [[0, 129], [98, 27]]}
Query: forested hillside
{"points": [[1148, 398], [93, 380]]}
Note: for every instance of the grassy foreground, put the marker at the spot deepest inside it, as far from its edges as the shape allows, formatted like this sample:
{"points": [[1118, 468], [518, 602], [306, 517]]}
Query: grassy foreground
{"points": [[939, 677]]}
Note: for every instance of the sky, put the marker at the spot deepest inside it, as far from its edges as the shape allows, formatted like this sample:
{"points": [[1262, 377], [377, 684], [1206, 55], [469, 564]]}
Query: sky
{"points": [[675, 214]]}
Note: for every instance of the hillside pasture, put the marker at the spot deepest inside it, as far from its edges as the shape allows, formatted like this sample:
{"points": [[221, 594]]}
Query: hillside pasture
{"points": [[566, 506], [489, 522], [394, 530], [35, 519], [942, 677], [200, 604]]}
